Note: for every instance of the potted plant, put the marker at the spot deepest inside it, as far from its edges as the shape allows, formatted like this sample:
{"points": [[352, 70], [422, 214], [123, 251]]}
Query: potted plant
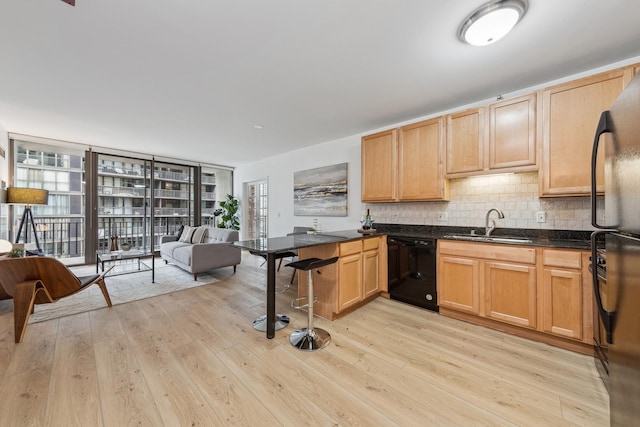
{"points": [[16, 253], [229, 217], [125, 246]]}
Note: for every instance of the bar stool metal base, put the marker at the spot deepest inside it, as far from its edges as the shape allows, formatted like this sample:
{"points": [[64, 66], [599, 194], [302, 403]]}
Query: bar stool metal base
{"points": [[310, 340], [260, 324]]}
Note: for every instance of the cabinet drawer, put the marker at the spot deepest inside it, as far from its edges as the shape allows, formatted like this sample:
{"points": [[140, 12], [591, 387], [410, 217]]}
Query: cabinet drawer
{"points": [[350, 247], [488, 251], [560, 258], [370, 244]]}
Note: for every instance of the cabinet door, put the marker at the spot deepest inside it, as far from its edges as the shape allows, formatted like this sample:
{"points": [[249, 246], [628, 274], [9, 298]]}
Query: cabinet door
{"points": [[350, 278], [510, 293], [512, 134], [458, 281], [420, 169], [570, 114], [370, 267], [379, 167], [562, 302], [465, 142]]}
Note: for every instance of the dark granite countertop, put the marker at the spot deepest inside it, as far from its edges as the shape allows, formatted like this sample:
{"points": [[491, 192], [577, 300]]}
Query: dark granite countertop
{"points": [[569, 239]]}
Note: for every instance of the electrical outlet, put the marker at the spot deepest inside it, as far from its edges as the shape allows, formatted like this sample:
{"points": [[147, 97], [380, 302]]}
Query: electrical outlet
{"points": [[443, 216], [541, 216]]}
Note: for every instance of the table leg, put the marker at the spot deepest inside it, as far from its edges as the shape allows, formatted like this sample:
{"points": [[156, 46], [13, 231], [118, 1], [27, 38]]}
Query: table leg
{"points": [[271, 294]]}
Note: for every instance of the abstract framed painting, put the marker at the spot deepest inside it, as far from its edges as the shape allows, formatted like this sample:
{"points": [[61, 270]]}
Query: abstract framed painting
{"points": [[321, 191]]}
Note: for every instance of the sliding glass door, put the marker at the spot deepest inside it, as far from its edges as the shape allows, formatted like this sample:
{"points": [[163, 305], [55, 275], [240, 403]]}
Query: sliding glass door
{"points": [[98, 201], [123, 202]]}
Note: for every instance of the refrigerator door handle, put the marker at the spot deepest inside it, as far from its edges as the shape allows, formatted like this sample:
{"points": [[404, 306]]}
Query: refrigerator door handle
{"points": [[606, 316], [604, 126]]}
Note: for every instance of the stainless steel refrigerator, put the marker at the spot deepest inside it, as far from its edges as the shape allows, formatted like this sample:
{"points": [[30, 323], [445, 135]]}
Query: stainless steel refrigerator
{"points": [[616, 245]]}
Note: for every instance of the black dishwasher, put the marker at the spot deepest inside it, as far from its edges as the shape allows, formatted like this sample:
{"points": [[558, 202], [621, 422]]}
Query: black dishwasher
{"points": [[412, 271]]}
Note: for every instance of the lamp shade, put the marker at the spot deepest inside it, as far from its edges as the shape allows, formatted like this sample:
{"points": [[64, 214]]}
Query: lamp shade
{"points": [[27, 196]]}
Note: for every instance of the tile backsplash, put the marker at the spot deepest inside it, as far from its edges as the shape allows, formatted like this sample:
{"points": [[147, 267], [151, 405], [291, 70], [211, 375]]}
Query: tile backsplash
{"points": [[515, 194]]}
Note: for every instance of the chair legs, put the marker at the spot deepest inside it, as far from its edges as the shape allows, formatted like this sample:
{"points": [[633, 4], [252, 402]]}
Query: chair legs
{"points": [[23, 299], [105, 292], [310, 338]]}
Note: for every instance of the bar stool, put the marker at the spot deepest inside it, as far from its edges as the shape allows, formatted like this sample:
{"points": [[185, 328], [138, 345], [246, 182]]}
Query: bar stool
{"points": [[282, 320], [309, 338]]}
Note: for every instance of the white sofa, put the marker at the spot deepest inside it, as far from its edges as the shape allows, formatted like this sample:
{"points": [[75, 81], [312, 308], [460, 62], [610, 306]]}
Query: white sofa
{"points": [[214, 252]]}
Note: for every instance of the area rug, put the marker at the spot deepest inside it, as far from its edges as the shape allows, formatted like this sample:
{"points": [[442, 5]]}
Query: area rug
{"points": [[122, 288]]}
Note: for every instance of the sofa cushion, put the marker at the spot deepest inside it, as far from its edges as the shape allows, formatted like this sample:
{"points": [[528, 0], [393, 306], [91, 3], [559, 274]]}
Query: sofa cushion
{"points": [[183, 254], [199, 235], [193, 234], [169, 247], [186, 234], [221, 235]]}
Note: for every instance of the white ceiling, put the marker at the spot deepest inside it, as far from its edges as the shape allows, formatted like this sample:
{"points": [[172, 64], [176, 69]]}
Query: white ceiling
{"points": [[191, 78]]}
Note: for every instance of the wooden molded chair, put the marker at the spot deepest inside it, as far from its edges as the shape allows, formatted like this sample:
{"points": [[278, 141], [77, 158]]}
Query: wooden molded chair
{"points": [[40, 280]]}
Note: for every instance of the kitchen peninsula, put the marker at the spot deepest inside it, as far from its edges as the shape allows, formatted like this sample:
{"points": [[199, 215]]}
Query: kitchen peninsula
{"points": [[359, 275]]}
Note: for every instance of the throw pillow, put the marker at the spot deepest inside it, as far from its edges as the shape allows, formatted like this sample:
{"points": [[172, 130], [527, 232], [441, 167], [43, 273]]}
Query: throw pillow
{"points": [[180, 230], [187, 233], [199, 235]]}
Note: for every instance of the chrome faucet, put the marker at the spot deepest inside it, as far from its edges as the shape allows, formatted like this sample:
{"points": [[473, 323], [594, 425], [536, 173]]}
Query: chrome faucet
{"points": [[489, 228]]}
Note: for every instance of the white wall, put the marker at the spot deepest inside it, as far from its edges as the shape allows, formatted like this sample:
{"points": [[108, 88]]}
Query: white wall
{"points": [[278, 171]]}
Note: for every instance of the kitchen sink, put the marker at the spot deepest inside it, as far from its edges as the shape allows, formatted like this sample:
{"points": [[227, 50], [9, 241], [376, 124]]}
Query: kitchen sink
{"points": [[480, 238]]}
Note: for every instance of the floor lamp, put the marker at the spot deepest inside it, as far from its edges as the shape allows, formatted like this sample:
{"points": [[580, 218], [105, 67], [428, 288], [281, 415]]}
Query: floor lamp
{"points": [[27, 197]]}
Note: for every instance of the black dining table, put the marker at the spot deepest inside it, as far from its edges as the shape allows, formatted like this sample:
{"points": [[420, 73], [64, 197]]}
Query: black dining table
{"points": [[269, 247]]}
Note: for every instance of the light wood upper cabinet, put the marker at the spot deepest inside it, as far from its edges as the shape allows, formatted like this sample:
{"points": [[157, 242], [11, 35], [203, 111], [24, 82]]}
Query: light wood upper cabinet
{"points": [[465, 142], [498, 138], [405, 164], [420, 161], [379, 166], [512, 134], [570, 114]]}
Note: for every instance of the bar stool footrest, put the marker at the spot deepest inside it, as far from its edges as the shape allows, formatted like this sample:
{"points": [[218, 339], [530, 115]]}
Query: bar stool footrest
{"points": [[299, 303]]}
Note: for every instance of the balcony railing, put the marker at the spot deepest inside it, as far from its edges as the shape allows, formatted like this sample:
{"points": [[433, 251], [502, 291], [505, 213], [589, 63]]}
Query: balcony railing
{"points": [[64, 237], [108, 191]]}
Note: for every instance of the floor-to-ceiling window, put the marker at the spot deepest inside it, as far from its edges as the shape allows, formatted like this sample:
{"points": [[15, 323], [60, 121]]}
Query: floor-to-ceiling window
{"points": [[59, 223], [96, 197], [123, 201], [216, 183], [174, 197]]}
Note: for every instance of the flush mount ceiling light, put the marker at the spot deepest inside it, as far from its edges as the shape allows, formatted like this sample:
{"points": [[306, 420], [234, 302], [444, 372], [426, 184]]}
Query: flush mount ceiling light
{"points": [[492, 21]]}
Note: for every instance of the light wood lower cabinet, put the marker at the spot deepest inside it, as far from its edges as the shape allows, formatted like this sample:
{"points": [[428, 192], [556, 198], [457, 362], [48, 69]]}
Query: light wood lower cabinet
{"points": [[350, 281], [458, 281], [538, 292], [563, 287], [359, 275], [510, 293]]}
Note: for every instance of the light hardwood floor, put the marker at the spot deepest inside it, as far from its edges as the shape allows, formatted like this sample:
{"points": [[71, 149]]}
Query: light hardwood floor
{"points": [[191, 358]]}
